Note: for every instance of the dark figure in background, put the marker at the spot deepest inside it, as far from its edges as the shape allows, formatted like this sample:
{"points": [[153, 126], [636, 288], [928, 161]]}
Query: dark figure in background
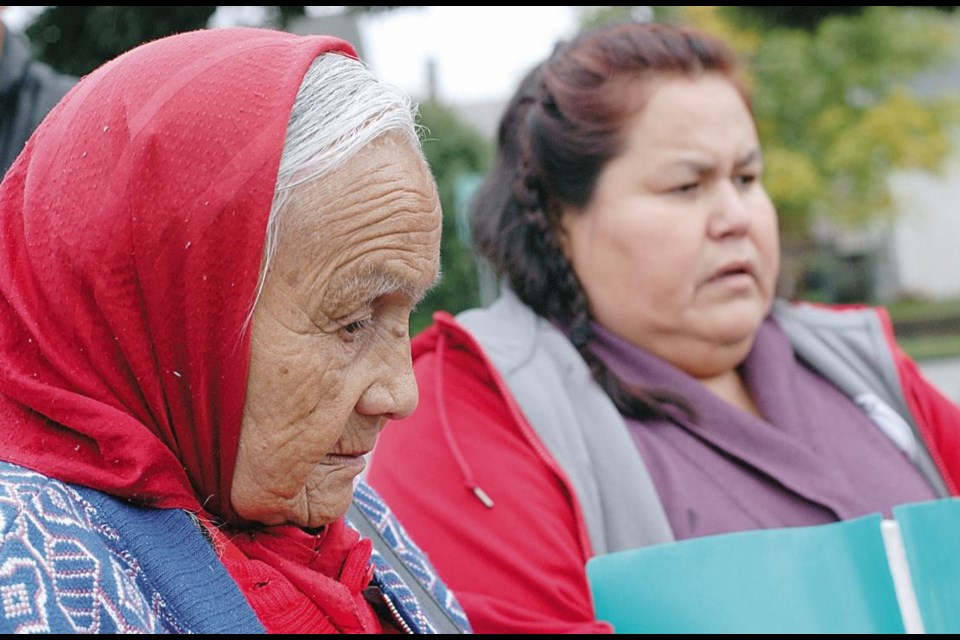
{"points": [[28, 91]]}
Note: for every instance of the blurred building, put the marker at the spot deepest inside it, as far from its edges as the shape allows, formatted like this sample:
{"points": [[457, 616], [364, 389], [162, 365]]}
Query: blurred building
{"points": [[923, 244], [340, 25], [920, 254]]}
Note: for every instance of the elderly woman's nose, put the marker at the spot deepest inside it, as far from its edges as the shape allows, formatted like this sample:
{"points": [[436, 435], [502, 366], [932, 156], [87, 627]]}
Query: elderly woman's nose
{"points": [[394, 395], [405, 394]]}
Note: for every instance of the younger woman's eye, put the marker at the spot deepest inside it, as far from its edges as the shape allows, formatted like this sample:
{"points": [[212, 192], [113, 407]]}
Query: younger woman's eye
{"points": [[689, 187], [745, 180]]}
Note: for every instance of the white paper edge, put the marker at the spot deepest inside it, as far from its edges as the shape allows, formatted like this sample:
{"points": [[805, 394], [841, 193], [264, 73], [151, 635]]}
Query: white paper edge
{"points": [[902, 582]]}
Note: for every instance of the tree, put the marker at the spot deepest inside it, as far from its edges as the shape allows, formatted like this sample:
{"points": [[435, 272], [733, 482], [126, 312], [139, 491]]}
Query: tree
{"points": [[809, 18], [837, 114], [453, 149], [77, 40]]}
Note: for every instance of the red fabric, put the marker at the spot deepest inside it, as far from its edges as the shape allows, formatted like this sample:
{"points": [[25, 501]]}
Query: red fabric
{"points": [[331, 568], [132, 232], [937, 416], [518, 567]]}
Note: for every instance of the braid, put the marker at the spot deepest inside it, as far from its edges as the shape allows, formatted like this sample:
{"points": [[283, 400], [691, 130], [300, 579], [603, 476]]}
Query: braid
{"points": [[562, 298], [551, 292], [630, 401]]}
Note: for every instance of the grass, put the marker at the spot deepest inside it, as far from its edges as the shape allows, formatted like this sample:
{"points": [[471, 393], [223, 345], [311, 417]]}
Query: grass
{"points": [[931, 346], [920, 309]]}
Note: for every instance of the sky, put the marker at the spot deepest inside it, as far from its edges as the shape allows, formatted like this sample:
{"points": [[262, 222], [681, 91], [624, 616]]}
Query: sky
{"points": [[481, 53], [18, 17]]}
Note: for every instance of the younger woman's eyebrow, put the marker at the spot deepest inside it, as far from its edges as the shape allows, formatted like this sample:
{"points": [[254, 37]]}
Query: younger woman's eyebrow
{"points": [[754, 156], [702, 168]]}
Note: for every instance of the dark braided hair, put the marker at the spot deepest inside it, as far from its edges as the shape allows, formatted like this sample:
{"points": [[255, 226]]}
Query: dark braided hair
{"points": [[560, 129]]}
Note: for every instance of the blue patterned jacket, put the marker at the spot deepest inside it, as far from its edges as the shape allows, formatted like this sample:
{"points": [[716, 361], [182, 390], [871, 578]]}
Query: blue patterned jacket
{"points": [[75, 560]]}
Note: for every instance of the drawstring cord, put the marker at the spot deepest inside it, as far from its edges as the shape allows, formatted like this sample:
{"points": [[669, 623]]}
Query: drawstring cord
{"points": [[447, 427]]}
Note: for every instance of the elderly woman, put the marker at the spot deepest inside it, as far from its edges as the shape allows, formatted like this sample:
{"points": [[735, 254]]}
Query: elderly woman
{"points": [[210, 251], [637, 382]]}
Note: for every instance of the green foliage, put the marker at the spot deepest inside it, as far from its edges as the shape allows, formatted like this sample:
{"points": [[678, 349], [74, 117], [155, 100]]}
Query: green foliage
{"points": [[77, 40], [452, 149], [808, 18], [836, 113]]}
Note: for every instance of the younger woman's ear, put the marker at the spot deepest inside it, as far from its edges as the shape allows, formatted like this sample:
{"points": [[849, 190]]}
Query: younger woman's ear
{"points": [[565, 217]]}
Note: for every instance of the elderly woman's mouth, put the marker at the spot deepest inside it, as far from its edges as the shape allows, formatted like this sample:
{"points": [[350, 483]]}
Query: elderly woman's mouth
{"points": [[347, 460]]}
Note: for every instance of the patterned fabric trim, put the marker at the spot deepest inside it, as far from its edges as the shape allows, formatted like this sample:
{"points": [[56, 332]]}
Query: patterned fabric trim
{"points": [[74, 560], [58, 571], [390, 583]]}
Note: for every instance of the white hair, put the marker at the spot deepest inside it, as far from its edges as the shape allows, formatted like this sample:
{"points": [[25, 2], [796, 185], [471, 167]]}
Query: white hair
{"points": [[340, 108]]}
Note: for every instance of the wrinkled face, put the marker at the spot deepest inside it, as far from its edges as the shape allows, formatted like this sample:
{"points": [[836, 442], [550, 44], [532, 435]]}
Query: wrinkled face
{"points": [[678, 250], [330, 361]]}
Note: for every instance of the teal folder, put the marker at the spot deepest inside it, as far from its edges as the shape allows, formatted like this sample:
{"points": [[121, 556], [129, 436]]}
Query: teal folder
{"points": [[847, 577], [931, 539]]}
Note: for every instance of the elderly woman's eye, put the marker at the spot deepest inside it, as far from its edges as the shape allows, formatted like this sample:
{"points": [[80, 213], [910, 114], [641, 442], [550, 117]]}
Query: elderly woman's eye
{"points": [[350, 331]]}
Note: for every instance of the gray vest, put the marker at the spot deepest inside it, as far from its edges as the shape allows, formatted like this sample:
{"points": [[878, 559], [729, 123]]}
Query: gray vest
{"points": [[585, 433]]}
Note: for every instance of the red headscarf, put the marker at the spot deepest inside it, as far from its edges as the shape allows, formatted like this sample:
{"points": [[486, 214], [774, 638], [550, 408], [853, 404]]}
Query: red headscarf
{"points": [[132, 233]]}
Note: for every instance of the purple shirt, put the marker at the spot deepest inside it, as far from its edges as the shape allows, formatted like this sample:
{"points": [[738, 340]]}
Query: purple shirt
{"points": [[816, 458]]}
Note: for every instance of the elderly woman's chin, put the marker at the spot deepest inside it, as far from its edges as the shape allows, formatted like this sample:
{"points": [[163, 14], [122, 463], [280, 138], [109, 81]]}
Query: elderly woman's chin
{"points": [[324, 498]]}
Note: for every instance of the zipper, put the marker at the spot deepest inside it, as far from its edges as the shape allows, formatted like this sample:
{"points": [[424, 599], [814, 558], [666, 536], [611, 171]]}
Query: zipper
{"points": [[401, 624]]}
